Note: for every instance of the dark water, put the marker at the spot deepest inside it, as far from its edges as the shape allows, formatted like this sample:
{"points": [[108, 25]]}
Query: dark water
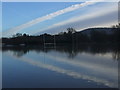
{"points": [[66, 66]]}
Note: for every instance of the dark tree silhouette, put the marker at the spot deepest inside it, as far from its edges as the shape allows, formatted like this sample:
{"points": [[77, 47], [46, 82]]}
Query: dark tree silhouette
{"points": [[92, 35], [71, 30], [116, 26]]}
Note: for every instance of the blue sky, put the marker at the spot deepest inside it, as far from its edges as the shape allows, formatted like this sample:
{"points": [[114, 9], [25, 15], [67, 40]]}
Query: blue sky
{"points": [[15, 14]]}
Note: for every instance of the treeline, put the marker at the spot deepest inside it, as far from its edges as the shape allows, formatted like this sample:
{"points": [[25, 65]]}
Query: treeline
{"points": [[92, 35]]}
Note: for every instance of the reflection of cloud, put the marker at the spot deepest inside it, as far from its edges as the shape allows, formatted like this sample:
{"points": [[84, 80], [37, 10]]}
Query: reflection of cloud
{"points": [[49, 16], [0, 69], [93, 66], [67, 72]]}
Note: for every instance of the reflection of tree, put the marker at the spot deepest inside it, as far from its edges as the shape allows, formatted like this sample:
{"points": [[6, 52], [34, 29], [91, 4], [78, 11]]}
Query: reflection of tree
{"points": [[116, 55], [72, 54], [19, 53], [69, 49]]}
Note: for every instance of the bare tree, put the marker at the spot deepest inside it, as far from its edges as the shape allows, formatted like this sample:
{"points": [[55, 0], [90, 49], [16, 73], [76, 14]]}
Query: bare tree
{"points": [[71, 30], [116, 26]]}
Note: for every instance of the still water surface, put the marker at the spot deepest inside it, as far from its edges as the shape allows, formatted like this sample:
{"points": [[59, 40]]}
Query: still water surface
{"points": [[82, 66]]}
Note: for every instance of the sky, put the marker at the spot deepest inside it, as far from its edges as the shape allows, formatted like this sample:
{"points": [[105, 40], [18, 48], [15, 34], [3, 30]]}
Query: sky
{"points": [[36, 18]]}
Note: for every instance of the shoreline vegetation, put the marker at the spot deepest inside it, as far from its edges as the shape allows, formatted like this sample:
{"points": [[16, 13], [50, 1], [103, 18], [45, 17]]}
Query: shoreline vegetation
{"points": [[71, 36]]}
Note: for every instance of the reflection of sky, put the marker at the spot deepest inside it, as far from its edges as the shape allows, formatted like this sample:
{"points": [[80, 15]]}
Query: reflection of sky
{"points": [[95, 68], [0, 69], [85, 62]]}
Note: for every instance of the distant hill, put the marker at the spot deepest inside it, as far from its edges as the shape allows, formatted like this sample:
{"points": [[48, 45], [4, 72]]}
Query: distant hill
{"points": [[106, 30], [88, 30]]}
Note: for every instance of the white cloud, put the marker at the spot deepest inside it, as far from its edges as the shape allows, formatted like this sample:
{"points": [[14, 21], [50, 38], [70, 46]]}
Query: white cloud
{"points": [[47, 17], [54, 0], [98, 13]]}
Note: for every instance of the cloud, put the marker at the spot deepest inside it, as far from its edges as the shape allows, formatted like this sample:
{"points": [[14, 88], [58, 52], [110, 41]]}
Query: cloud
{"points": [[54, 0], [104, 16], [49, 16]]}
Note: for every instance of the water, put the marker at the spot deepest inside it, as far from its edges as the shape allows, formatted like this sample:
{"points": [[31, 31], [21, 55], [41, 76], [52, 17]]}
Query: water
{"points": [[66, 66]]}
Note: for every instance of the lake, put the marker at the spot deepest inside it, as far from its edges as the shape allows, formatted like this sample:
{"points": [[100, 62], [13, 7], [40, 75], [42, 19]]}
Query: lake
{"points": [[64, 66]]}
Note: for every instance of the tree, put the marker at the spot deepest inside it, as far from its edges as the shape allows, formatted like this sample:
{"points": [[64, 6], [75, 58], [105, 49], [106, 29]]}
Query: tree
{"points": [[116, 26], [61, 33], [24, 35], [116, 32], [71, 30], [17, 35]]}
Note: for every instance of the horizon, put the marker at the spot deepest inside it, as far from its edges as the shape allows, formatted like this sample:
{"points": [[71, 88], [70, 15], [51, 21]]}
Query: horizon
{"points": [[59, 32]]}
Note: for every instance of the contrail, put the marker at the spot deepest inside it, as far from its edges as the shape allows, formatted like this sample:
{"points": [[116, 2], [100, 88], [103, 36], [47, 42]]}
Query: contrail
{"points": [[49, 16]]}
